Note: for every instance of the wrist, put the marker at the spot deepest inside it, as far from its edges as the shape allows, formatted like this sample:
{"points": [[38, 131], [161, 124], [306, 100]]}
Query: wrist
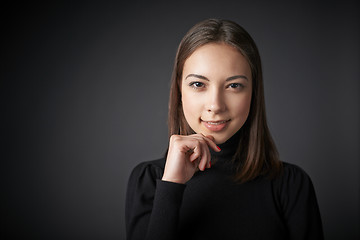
{"points": [[174, 180]]}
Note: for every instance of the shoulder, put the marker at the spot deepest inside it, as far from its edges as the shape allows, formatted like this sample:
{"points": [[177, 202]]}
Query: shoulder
{"points": [[293, 181], [149, 169], [142, 180], [297, 202], [293, 173]]}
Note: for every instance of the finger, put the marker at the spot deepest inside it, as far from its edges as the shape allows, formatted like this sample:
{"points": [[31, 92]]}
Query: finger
{"points": [[195, 153], [210, 137], [205, 158], [205, 155], [208, 157], [208, 164], [210, 141], [196, 146], [198, 149], [204, 163]]}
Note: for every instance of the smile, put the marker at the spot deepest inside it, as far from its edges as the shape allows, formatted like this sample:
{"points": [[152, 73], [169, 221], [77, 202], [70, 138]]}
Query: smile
{"points": [[215, 126], [216, 122]]}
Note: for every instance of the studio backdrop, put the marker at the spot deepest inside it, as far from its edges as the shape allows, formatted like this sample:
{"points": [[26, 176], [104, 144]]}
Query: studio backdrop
{"points": [[84, 97]]}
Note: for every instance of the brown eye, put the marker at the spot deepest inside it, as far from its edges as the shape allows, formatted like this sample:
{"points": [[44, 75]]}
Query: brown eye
{"points": [[196, 84], [236, 85]]}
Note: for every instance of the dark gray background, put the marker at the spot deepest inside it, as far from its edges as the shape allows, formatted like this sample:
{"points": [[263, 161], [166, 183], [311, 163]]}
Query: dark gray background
{"points": [[84, 91]]}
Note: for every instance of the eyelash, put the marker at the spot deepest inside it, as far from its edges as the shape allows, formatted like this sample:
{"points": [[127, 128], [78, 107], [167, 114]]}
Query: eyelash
{"points": [[237, 85], [193, 85], [198, 85]]}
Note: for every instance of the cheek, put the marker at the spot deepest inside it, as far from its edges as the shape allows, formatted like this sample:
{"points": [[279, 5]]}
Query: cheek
{"points": [[242, 107], [190, 107]]}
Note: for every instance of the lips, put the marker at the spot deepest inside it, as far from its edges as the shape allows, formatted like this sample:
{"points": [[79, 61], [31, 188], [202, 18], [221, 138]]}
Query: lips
{"points": [[216, 122], [215, 126]]}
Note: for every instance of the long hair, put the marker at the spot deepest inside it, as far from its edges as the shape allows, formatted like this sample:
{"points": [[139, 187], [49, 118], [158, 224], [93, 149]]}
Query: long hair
{"points": [[256, 153]]}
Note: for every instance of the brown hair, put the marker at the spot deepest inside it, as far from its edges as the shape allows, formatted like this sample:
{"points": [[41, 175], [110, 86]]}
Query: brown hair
{"points": [[256, 153]]}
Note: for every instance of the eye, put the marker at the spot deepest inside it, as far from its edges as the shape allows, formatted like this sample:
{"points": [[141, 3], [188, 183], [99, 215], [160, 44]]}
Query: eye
{"points": [[236, 85], [197, 84]]}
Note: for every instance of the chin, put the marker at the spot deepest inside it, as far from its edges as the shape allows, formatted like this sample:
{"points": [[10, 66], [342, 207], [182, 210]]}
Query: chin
{"points": [[220, 139]]}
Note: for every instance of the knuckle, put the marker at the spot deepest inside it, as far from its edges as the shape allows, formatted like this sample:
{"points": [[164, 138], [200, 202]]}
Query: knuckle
{"points": [[198, 143], [174, 138]]}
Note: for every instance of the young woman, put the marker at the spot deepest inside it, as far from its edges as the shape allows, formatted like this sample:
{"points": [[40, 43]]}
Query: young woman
{"points": [[221, 177]]}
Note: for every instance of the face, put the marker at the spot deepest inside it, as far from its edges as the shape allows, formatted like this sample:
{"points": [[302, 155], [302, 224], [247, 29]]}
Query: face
{"points": [[216, 89]]}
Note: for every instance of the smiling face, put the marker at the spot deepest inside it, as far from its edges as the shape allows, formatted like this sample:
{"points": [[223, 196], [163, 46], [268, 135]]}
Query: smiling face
{"points": [[216, 89]]}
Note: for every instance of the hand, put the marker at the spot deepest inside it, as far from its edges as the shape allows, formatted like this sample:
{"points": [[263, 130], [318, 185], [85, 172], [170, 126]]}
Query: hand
{"points": [[186, 155]]}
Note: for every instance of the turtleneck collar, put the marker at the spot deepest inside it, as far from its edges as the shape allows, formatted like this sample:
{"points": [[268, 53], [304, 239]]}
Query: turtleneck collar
{"points": [[228, 148]]}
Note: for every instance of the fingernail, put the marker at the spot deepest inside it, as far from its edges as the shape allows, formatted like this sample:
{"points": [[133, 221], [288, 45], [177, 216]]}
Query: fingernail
{"points": [[218, 148]]}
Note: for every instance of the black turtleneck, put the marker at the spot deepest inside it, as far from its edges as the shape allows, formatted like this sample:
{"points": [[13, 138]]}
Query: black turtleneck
{"points": [[228, 149], [212, 206]]}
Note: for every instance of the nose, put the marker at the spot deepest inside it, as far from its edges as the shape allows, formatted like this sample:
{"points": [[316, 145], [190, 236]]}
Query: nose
{"points": [[215, 101]]}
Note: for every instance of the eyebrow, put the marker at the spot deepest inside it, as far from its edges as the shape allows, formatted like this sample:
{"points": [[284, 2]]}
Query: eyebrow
{"points": [[228, 79]]}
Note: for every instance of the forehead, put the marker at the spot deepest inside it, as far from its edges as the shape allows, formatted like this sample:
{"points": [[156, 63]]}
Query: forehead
{"points": [[217, 58]]}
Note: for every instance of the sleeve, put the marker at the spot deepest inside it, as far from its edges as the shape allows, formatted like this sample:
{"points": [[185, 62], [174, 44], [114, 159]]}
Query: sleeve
{"points": [[299, 205], [152, 205]]}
